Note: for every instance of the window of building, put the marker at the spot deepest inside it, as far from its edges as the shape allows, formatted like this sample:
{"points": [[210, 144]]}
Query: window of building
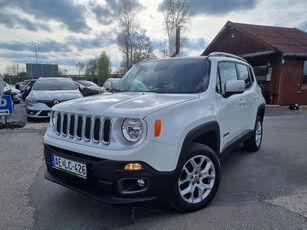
{"points": [[305, 73]]}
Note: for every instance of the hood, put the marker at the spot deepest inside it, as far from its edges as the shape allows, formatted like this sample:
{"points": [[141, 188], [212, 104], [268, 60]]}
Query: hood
{"points": [[60, 95], [129, 104]]}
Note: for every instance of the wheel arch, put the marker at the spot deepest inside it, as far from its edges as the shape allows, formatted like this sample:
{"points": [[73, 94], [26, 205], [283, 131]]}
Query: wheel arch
{"points": [[261, 111], [207, 134]]}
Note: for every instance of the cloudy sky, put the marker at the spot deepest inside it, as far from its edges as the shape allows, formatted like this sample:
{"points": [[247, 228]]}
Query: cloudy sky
{"points": [[72, 31]]}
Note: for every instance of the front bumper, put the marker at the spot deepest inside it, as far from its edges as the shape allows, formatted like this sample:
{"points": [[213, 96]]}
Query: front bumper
{"points": [[17, 97], [39, 110], [108, 181]]}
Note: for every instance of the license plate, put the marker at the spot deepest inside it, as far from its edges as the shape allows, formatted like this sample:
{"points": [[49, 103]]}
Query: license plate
{"points": [[72, 167], [48, 114]]}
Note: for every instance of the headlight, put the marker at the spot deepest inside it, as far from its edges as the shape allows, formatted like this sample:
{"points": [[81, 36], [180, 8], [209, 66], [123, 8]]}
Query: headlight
{"points": [[132, 129], [31, 101], [54, 116]]}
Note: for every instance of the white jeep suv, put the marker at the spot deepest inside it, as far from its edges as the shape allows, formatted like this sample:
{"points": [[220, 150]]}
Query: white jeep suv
{"points": [[160, 135]]}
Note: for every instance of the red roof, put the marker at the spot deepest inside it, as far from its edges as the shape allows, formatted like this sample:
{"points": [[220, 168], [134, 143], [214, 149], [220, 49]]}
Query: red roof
{"points": [[286, 40]]}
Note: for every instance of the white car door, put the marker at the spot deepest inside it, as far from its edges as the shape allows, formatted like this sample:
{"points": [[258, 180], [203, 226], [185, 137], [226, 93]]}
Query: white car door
{"points": [[247, 104], [230, 107]]}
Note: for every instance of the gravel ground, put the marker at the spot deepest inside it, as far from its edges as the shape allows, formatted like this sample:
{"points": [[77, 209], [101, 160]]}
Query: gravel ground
{"points": [[20, 161]]}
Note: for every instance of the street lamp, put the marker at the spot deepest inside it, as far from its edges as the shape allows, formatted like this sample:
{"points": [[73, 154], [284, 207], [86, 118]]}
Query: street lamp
{"points": [[35, 43]]}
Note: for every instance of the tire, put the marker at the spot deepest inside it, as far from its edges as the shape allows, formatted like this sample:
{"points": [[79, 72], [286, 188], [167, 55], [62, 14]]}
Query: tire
{"points": [[198, 179], [253, 144]]}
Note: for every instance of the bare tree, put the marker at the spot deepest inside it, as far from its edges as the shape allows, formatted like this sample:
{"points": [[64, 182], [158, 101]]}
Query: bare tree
{"points": [[13, 69], [132, 40], [142, 48], [63, 72], [80, 66], [177, 14], [128, 26]]}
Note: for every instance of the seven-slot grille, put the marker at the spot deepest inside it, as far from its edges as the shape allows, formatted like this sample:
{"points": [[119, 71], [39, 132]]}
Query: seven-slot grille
{"points": [[84, 127]]}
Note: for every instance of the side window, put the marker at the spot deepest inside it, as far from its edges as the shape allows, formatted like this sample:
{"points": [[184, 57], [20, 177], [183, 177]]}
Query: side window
{"points": [[244, 75], [227, 71], [251, 75]]}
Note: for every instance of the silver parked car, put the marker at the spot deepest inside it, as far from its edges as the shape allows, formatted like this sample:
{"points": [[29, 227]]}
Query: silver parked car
{"points": [[48, 92]]}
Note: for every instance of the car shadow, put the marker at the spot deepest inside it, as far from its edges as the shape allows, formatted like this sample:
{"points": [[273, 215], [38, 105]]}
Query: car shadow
{"points": [[38, 120], [74, 210], [55, 202]]}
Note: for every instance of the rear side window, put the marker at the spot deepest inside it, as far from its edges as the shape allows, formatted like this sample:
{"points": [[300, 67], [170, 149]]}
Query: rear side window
{"points": [[244, 75], [251, 75], [227, 71]]}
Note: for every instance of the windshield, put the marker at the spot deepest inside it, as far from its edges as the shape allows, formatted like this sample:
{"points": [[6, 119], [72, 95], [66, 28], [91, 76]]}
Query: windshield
{"points": [[167, 76], [55, 84], [87, 83]]}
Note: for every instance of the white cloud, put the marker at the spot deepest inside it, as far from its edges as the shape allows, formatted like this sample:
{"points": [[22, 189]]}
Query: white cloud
{"points": [[70, 40]]}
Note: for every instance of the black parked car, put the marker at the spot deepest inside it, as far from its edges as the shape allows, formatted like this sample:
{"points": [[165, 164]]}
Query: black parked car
{"points": [[88, 88]]}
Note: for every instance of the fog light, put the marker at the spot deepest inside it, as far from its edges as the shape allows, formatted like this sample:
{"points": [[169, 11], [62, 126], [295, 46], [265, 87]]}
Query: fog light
{"points": [[141, 183], [133, 166]]}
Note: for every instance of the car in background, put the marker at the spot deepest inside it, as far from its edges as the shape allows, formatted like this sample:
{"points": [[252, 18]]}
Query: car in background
{"points": [[26, 91], [24, 85], [109, 84], [7, 90], [88, 88], [48, 92], [18, 84], [16, 95]]}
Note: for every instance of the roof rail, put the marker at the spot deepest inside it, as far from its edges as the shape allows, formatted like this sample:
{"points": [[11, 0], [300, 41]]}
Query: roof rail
{"points": [[223, 54], [149, 59]]}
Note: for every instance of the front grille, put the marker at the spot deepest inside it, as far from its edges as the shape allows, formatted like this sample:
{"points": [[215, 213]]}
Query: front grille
{"points": [[84, 127], [50, 103]]}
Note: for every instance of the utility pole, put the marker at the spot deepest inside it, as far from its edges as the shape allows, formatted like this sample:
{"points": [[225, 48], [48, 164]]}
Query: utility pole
{"points": [[35, 43]]}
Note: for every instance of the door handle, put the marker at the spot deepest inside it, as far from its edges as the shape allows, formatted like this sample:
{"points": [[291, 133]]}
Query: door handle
{"points": [[242, 102], [256, 98]]}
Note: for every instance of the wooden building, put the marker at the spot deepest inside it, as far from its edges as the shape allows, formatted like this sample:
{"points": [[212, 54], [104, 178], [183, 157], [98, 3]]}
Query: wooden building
{"points": [[278, 55]]}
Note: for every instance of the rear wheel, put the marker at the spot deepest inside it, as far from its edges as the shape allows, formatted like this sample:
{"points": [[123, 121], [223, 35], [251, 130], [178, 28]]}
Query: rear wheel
{"points": [[198, 180], [253, 144]]}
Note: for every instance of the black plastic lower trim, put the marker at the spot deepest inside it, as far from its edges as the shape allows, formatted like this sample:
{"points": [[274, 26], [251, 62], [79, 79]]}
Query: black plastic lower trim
{"points": [[108, 181]]}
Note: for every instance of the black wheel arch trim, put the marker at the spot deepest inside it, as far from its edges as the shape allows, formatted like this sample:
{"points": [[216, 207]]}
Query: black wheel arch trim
{"points": [[261, 107], [211, 126]]}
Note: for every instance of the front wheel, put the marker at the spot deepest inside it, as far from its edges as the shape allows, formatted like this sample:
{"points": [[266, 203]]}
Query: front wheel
{"points": [[198, 180], [254, 142]]}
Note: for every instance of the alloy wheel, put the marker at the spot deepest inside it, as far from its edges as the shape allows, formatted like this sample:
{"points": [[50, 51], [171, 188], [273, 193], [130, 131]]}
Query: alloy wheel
{"points": [[197, 179]]}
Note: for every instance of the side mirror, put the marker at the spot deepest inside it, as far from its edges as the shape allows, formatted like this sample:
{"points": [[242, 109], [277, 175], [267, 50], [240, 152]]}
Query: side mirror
{"points": [[234, 86]]}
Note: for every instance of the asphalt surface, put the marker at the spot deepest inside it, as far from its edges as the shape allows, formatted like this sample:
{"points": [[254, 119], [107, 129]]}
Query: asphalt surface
{"points": [[263, 190]]}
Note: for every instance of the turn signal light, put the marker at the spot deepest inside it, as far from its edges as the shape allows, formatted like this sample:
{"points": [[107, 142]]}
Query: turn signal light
{"points": [[158, 126], [133, 166]]}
